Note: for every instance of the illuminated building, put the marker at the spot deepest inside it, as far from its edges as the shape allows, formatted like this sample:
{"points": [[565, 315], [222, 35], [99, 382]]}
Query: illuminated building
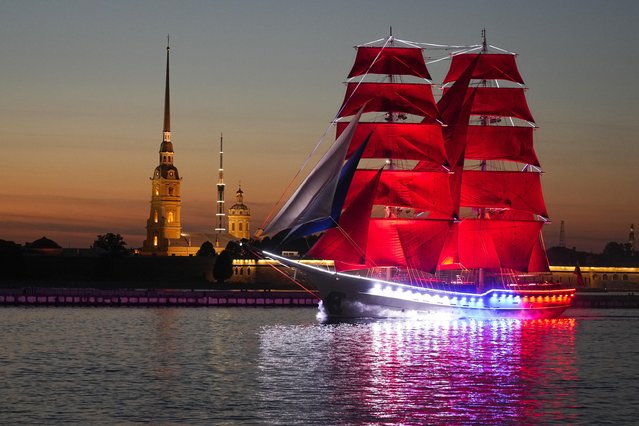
{"points": [[239, 217], [163, 227]]}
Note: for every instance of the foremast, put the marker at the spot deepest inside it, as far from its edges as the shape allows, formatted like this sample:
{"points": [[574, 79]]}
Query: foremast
{"points": [[400, 119]]}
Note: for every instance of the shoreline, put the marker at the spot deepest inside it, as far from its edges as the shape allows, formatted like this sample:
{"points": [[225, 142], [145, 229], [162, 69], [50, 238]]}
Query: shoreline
{"points": [[33, 296], [89, 296]]}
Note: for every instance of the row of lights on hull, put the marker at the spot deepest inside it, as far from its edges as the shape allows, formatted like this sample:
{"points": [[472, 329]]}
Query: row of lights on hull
{"points": [[470, 301]]}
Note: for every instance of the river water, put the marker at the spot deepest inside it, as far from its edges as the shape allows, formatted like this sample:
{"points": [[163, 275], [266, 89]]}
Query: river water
{"points": [[284, 366]]}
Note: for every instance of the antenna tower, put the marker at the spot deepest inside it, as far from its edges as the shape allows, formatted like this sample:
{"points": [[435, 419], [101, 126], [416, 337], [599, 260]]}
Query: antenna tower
{"points": [[220, 191], [562, 235]]}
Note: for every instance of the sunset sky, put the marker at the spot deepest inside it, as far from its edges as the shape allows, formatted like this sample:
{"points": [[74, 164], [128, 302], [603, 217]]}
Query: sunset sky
{"points": [[82, 91]]}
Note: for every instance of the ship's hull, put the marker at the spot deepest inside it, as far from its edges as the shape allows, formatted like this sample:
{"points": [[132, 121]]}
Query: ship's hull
{"points": [[351, 296]]}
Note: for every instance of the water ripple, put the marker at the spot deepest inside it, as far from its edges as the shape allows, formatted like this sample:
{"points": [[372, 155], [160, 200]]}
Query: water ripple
{"points": [[281, 366]]}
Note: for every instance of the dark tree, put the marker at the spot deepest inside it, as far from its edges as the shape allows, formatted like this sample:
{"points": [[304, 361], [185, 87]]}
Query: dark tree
{"points": [[111, 244], [206, 249], [242, 249], [223, 268], [11, 261], [618, 254]]}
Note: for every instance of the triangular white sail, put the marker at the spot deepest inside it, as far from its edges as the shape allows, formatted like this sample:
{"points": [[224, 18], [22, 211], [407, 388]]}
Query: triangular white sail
{"points": [[313, 198]]}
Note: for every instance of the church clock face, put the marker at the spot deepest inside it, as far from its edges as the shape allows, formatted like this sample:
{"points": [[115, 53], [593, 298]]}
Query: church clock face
{"points": [[157, 174], [170, 173]]}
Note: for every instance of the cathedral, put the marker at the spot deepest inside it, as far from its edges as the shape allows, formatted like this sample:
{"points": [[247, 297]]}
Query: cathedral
{"points": [[163, 227], [164, 235]]}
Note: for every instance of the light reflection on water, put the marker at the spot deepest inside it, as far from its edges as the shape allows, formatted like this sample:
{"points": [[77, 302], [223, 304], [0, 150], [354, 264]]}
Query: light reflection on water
{"points": [[455, 372], [281, 366]]}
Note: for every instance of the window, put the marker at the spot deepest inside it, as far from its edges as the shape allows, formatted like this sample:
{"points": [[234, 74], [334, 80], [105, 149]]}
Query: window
{"points": [[155, 241], [605, 277], [625, 277], [156, 189], [155, 216], [233, 227], [170, 218], [240, 225], [170, 190]]}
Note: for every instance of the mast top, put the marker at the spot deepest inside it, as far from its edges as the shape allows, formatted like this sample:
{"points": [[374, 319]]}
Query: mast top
{"points": [[484, 46]]}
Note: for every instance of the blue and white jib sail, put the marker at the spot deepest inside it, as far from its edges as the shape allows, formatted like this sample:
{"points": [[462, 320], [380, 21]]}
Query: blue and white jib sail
{"points": [[318, 201]]}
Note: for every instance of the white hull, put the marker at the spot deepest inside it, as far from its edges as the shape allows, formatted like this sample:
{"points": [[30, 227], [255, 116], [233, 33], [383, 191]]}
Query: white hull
{"points": [[350, 296]]}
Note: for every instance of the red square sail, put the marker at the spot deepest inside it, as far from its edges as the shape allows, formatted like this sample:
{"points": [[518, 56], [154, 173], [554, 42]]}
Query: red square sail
{"points": [[404, 188], [490, 66], [506, 143], [492, 244], [411, 243], [498, 101], [389, 60], [389, 97], [496, 189], [502, 101], [403, 141]]}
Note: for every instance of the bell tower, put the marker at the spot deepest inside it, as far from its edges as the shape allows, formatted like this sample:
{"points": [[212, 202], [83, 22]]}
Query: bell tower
{"points": [[163, 224], [239, 217]]}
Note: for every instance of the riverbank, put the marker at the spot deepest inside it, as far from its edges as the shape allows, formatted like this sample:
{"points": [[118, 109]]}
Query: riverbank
{"points": [[38, 296], [144, 297]]}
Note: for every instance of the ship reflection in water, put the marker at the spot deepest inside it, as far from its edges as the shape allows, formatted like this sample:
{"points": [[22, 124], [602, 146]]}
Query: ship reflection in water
{"points": [[421, 372]]}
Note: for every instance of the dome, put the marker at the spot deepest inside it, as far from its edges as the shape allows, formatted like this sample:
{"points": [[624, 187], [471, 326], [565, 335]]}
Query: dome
{"points": [[239, 210], [239, 207]]}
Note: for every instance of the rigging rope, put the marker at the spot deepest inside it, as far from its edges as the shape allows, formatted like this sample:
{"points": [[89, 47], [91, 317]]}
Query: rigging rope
{"points": [[300, 285]]}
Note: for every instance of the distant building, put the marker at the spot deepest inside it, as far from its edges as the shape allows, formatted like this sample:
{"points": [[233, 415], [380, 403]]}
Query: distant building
{"points": [[163, 227], [43, 246], [239, 218]]}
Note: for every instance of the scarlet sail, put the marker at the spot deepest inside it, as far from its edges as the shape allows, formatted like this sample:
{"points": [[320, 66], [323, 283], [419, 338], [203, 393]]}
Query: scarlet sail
{"points": [[500, 101], [404, 188], [408, 243], [503, 190], [491, 244], [394, 97], [507, 143], [404, 141], [389, 60], [493, 66]]}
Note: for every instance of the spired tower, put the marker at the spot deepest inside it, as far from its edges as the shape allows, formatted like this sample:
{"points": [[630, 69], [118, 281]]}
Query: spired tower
{"points": [[163, 224], [219, 227], [239, 217]]}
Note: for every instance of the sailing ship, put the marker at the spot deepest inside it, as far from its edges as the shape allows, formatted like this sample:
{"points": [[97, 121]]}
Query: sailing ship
{"points": [[425, 205]]}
